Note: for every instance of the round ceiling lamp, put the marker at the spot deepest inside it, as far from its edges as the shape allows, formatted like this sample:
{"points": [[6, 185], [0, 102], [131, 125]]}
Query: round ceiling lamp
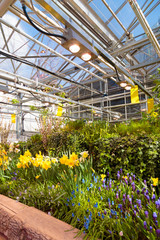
{"points": [[86, 56], [123, 84], [74, 48], [128, 87]]}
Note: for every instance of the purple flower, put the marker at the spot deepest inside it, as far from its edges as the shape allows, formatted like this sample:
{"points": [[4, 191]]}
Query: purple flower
{"points": [[145, 225], [146, 214], [138, 191], [107, 174], [120, 206], [154, 216], [118, 176], [110, 184], [117, 195], [138, 202], [158, 204], [130, 179], [105, 212], [134, 177], [145, 182], [153, 197], [158, 232], [134, 212], [133, 186], [121, 170], [150, 228]]}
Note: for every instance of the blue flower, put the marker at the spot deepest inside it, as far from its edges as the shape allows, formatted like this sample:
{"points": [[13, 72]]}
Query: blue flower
{"points": [[83, 181], [78, 219], [73, 192], [67, 199], [102, 216], [101, 198], [88, 200], [95, 179], [87, 188], [81, 191], [76, 185], [71, 198], [72, 214], [95, 205], [73, 204], [77, 189], [91, 185], [99, 214], [79, 204]]}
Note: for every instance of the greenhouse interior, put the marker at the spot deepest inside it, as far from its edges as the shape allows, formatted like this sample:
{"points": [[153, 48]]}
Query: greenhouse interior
{"points": [[79, 119]]}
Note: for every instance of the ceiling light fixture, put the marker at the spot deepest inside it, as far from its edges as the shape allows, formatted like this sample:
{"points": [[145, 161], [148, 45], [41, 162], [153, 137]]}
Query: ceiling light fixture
{"points": [[78, 46], [128, 87], [123, 84], [86, 56], [74, 48]]}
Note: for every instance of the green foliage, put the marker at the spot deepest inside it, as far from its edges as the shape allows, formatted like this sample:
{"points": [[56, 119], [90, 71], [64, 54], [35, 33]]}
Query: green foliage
{"points": [[14, 101], [34, 144]]}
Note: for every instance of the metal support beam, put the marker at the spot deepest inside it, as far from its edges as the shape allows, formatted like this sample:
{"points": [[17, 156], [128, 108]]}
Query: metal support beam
{"points": [[139, 14], [134, 45], [57, 9], [145, 64], [4, 5]]}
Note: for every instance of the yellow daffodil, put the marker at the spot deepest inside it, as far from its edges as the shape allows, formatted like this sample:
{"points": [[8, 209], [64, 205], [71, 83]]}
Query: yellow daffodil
{"points": [[54, 160], [73, 157], [27, 153], [154, 114], [103, 176], [155, 181], [124, 177], [46, 165], [19, 165], [64, 159], [37, 176], [84, 154]]}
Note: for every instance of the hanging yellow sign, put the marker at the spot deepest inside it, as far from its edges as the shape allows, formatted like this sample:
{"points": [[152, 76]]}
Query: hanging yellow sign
{"points": [[150, 103], [59, 111], [134, 95], [13, 118]]}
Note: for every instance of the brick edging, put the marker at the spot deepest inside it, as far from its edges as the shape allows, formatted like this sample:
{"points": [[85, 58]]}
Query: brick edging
{"points": [[20, 222]]}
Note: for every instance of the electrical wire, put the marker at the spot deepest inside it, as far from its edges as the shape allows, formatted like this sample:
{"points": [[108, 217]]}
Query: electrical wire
{"points": [[13, 57], [44, 21], [34, 25]]}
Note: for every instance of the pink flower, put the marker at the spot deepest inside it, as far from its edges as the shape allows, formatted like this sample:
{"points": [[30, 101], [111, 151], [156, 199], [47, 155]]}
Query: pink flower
{"points": [[121, 233]]}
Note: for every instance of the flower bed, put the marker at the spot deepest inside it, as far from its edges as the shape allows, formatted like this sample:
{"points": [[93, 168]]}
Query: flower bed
{"points": [[68, 188]]}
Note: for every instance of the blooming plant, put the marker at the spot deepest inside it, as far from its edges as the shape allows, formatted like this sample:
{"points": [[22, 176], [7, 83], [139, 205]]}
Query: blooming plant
{"points": [[4, 160], [114, 209]]}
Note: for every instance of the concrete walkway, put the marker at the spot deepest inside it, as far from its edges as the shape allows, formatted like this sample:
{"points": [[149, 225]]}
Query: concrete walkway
{"points": [[20, 222]]}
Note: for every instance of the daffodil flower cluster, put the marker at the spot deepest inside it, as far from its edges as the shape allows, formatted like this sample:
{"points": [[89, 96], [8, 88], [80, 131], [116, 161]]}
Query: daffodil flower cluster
{"points": [[73, 160], [4, 160], [27, 160], [45, 162]]}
